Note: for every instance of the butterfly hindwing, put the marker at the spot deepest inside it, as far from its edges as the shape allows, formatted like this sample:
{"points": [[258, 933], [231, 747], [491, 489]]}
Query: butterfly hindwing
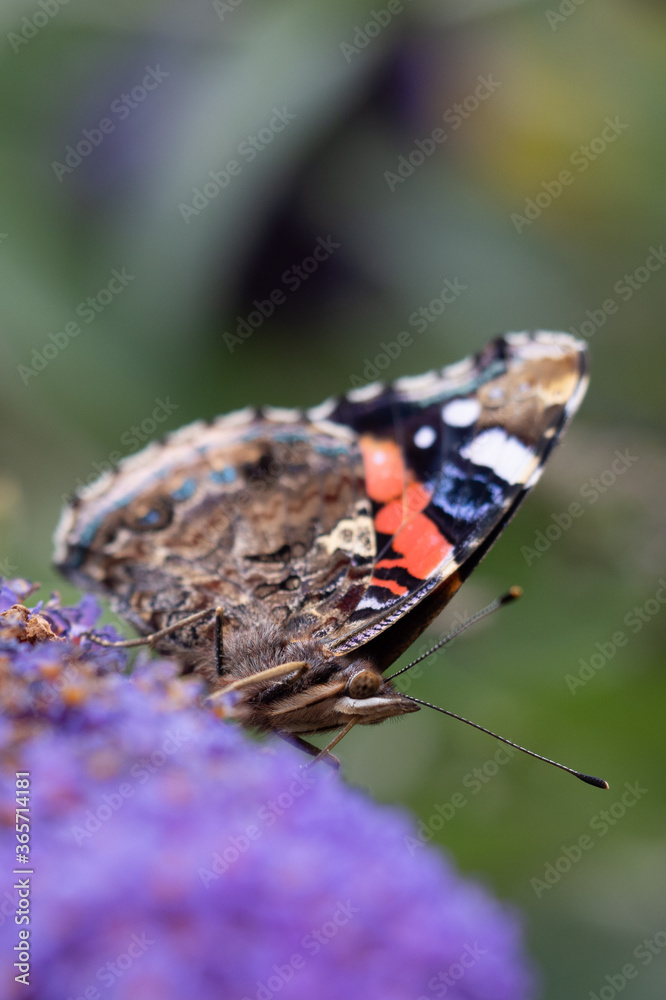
{"points": [[258, 512]]}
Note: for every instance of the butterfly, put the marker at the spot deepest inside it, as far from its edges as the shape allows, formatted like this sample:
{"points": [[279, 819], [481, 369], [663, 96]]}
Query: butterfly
{"points": [[290, 556]]}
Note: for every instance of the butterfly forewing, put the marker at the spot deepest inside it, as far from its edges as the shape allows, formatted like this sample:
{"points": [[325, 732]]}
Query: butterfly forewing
{"points": [[448, 456]]}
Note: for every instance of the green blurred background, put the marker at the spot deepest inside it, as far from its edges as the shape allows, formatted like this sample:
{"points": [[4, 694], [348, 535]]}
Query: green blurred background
{"points": [[356, 86]]}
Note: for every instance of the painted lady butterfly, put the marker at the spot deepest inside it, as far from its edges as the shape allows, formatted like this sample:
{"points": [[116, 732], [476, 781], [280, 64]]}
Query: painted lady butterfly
{"points": [[292, 556]]}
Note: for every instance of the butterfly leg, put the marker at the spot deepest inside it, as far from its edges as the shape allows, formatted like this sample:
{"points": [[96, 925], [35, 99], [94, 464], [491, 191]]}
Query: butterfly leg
{"points": [[326, 752], [297, 667], [310, 749], [218, 642], [149, 640]]}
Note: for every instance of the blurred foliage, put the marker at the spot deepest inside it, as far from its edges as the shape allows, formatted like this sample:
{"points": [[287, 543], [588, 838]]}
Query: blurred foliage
{"points": [[360, 99]]}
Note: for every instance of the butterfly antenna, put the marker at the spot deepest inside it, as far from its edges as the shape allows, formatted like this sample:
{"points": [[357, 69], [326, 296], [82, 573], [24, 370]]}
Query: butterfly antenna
{"points": [[512, 595], [587, 778]]}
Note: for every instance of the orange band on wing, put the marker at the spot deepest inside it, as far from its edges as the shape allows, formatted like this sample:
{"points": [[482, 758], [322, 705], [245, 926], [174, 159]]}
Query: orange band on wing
{"points": [[423, 546], [391, 517], [384, 469], [396, 588], [417, 540]]}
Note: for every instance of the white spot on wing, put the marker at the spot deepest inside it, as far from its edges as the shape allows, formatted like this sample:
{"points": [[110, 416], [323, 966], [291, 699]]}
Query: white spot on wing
{"points": [[508, 457], [534, 478], [416, 383], [282, 414], [323, 410], [424, 437], [561, 339], [336, 430], [461, 412], [365, 393], [516, 339], [238, 417], [370, 602], [460, 369], [187, 433], [543, 344]]}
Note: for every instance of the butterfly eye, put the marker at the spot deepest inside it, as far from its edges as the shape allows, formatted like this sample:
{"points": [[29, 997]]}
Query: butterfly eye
{"points": [[364, 683]]}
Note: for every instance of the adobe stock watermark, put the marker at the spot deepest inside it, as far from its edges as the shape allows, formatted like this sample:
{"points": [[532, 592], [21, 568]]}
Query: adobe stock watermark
{"points": [[267, 815], [420, 320], [645, 953], [224, 7], [474, 781], [7, 568], [119, 109], [446, 980], [283, 456], [453, 116], [312, 943], [141, 772], [109, 973], [366, 33], [563, 12], [581, 159], [625, 288], [635, 620], [291, 279], [601, 823], [45, 11], [133, 438], [87, 310], [590, 491], [424, 643], [8, 903], [247, 151]]}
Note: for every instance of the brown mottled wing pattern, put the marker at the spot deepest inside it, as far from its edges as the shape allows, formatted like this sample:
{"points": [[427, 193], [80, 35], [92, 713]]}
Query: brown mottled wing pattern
{"points": [[256, 512]]}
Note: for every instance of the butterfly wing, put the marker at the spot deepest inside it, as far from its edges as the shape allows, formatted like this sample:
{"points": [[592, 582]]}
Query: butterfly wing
{"points": [[364, 513], [448, 458], [258, 512]]}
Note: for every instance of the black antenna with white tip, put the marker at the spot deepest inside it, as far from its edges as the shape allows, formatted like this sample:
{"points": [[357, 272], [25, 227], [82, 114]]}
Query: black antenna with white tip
{"points": [[512, 594], [589, 779]]}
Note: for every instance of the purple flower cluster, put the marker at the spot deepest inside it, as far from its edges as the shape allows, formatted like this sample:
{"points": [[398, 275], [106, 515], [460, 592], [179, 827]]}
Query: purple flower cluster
{"points": [[174, 858]]}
